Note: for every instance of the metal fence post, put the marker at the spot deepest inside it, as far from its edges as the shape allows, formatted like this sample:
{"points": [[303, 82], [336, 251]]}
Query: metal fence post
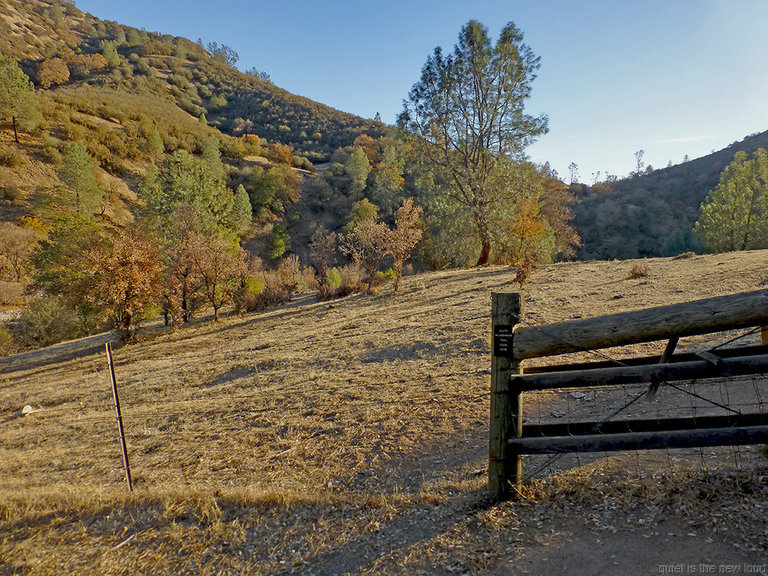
{"points": [[119, 418]]}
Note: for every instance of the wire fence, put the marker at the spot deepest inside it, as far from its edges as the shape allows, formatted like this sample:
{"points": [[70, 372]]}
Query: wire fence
{"points": [[696, 399]]}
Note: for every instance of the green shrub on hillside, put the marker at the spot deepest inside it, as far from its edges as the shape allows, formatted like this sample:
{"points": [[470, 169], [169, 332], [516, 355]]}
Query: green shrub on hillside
{"points": [[7, 344], [47, 320]]}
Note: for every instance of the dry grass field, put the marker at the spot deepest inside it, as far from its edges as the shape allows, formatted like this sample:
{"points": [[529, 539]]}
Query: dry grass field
{"points": [[350, 437]]}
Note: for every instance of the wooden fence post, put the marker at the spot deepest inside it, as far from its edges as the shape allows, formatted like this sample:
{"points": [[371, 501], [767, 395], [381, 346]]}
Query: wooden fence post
{"points": [[505, 468]]}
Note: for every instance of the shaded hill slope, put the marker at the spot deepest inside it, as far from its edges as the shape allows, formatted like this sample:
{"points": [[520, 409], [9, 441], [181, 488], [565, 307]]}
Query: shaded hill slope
{"points": [[654, 214]]}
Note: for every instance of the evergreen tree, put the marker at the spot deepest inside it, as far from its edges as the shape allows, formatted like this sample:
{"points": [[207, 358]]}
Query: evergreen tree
{"points": [[357, 167], [17, 96], [81, 191], [388, 181], [109, 52], [62, 269], [465, 119], [279, 242], [362, 211], [241, 213]]}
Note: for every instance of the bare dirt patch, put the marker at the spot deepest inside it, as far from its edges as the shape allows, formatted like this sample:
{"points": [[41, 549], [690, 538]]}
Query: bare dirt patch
{"points": [[351, 437]]}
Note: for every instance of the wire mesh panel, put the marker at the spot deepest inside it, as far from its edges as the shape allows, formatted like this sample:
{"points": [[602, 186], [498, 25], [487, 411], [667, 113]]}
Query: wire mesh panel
{"points": [[630, 408]]}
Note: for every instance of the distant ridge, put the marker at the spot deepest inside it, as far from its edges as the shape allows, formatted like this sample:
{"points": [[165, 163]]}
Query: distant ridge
{"points": [[654, 214]]}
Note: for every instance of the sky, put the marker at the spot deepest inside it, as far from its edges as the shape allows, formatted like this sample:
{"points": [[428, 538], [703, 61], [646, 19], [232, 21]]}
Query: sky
{"points": [[669, 77]]}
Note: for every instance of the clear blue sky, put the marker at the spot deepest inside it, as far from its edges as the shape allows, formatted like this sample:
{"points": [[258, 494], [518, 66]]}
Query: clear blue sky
{"points": [[671, 77]]}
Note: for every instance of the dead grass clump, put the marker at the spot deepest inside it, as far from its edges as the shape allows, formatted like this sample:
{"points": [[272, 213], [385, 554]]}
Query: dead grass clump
{"points": [[352, 278], [684, 256], [638, 271], [11, 157], [525, 269], [11, 293], [264, 289]]}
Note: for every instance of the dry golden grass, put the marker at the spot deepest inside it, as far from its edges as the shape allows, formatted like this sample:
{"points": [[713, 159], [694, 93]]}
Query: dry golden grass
{"points": [[332, 437]]}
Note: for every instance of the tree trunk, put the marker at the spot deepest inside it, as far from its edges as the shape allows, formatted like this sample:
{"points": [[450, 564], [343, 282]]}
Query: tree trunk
{"points": [[485, 252], [482, 230], [398, 274], [184, 304], [15, 134]]}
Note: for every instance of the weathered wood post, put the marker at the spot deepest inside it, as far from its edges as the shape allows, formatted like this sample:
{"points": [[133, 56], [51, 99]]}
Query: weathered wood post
{"points": [[505, 468]]}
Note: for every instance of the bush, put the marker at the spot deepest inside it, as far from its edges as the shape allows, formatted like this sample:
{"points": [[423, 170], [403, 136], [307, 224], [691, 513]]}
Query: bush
{"points": [[247, 298], [46, 321], [333, 278], [267, 288], [288, 276], [7, 345], [52, 155], [638, 271], [11, 157], [10, 192], [345, 281]]}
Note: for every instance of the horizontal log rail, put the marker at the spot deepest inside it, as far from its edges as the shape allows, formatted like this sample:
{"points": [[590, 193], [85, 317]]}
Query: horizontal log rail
{"points": [[646, 360], [677, 320], [647, 425], [649, 373], [651, 440]]}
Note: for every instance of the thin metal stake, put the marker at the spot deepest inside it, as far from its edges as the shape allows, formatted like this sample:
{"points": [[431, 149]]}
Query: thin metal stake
{"points": [[119, 417]]}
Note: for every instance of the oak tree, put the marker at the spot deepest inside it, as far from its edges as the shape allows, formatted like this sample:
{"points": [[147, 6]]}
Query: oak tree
{"points": [[219, 264], [402, 239], [127, 274], [734, 216]]}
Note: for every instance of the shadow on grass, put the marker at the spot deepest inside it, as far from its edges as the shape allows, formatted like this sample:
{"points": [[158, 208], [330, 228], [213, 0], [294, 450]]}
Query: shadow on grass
{"points": [[414, 527]]}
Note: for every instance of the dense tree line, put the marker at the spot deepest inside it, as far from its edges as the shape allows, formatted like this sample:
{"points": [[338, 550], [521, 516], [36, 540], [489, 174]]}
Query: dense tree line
{"points": [[116, 97]]}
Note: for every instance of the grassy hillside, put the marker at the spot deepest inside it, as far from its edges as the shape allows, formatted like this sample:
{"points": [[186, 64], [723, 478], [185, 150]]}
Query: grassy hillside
{"points": [[653, 214], [118, 89], [352, 438], [38, 31]]}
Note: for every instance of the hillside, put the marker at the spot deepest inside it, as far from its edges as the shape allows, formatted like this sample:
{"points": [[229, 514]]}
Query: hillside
{"points": [[654, 214], [130, 96], [351, 437], [36, 33], [135, 100]]}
